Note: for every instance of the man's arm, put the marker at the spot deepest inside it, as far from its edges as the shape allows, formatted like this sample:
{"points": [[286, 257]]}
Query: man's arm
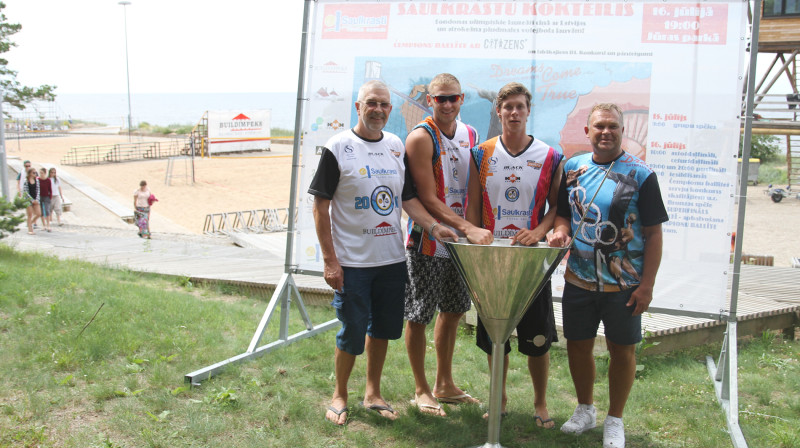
{"points": [[528, 237], [332, 271], [419, 147], [643, 295], [475, 197], [420, 215]]}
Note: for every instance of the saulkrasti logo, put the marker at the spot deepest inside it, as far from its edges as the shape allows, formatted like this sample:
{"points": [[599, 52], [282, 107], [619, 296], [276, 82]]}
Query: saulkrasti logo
{"points": [[356, 21]]}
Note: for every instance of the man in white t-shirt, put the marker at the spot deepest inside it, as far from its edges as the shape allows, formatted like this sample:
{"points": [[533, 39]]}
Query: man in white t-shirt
{"points": [[361, 187]]}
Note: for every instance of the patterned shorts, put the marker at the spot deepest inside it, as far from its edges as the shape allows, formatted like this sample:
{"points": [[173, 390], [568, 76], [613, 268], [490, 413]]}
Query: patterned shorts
{"points": [[433, 284]]}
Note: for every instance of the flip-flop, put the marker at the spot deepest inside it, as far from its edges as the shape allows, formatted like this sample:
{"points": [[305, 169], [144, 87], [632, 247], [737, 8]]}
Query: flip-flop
{"points": [[464, 398], [338, 413], [540, 422], [422, 406], [377, 408]]}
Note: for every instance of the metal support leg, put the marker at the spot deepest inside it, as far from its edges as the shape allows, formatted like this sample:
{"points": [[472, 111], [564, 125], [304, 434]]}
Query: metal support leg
{"points": [[495, 396], [724, 376]]}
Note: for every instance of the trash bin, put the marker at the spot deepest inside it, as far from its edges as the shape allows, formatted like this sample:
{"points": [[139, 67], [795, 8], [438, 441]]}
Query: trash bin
{"points": [[752, 172]]}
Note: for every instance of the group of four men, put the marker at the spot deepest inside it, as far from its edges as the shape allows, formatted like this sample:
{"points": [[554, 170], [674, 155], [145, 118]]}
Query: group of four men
{"points": [[511, 186]]}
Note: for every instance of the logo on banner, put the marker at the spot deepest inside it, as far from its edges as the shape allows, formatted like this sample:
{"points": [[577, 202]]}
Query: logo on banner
{"points": [[241, 122], [312, 253], [335, 125], [323, 94], [318, 150], [331, 68], [356, 21]]}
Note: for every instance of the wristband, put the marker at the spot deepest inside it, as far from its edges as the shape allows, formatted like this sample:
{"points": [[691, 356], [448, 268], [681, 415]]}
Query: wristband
{"points": [[433, 226]]}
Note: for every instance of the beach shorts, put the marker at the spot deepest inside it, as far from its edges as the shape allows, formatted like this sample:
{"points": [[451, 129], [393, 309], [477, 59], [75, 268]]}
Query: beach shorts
{"points": [[583, 310], [536, 332], [56, 205], [370, 303], [434, 284], [46, 207]]}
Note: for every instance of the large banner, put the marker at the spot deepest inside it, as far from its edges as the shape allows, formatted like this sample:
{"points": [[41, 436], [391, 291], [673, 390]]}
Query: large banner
{"points": [[675, 68], [238, 130]]}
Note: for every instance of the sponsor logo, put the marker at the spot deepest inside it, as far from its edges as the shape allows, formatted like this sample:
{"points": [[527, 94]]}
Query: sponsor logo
{"points": [[457, 208], [312, 253], [453, 158], [331, 67], [513, 178], [394, 152], [377, 172], [500, 213], [241, 122], [463, 144], [512, 167], [356, 21], [456, 191], [375, 154], [507, 231], [492, 161], [382, 200], [348, 149], [335, 125], [534, 164], [512, 194], [323, 94], [455, 174], [318, 150], [382, 229]]}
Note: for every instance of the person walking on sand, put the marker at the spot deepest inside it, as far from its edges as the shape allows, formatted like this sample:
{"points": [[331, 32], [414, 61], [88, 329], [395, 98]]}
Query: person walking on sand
{"points": [[360, 189], [141, 203], [30, 191], [57, 198], [438, 158], [513, 177], [46, 191]]}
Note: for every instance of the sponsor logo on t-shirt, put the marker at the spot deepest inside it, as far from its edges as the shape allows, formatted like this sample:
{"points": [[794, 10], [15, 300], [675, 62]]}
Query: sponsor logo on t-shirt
{"points": [[375, 154], [382, 200], [457, 208], [507, 231], [500, 213], [455, 174], [513, 178], [368, 172], [382, 229], [512, 194], [534, 164]]}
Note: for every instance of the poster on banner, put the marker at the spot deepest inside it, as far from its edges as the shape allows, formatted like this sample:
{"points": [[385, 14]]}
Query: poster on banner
{"points": [[675, 68], [238, 130]]}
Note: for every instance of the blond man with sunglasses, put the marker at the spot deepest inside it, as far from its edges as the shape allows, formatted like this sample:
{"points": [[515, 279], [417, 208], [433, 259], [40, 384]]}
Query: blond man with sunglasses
{"points": [[438, 151]]}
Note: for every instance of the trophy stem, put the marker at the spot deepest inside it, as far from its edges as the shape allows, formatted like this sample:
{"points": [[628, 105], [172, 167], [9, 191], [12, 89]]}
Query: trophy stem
{"points": [[496, 395]]}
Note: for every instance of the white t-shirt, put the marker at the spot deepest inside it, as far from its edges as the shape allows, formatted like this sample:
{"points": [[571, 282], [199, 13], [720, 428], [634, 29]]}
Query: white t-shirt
{"points": [[365, 181]]}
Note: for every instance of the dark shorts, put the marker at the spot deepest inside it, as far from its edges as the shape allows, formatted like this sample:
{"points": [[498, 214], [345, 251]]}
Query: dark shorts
{"points": [[46, 208], [371, 303], [434, 285], [536, 332], [583, 310]]}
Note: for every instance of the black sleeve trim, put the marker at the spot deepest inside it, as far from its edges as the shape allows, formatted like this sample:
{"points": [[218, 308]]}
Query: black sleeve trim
{"points": [[651, 204], [326, 179]]}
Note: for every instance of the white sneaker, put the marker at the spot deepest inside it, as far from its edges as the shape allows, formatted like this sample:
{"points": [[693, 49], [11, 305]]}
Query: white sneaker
{"points": [[613, 433], [583, 419]]}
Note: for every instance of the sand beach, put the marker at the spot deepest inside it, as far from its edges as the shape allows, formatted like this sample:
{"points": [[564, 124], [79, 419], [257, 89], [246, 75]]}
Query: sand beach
{"points": [[262, 180]]}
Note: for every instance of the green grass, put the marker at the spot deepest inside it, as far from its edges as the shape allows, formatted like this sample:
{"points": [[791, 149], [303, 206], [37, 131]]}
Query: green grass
{"points": [[117, 380], [773, 172]]}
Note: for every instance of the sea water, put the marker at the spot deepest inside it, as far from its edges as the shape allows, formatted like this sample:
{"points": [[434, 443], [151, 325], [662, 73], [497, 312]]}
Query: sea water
{"points": [[160, 109]]}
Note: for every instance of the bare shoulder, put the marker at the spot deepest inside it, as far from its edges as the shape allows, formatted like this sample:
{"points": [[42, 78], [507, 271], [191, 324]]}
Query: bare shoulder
{"points": [[419, 143]]}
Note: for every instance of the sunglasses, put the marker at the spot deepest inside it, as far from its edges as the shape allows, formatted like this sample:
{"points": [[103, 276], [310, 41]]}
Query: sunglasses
{"points": [[441, 99]]}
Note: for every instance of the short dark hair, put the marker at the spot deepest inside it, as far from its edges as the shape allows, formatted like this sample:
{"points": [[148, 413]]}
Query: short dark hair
{"points": [[512, 89]]}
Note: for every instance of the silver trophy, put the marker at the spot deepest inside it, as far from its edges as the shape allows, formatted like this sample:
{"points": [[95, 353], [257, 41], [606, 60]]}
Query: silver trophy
{"points": [[502, 281]]}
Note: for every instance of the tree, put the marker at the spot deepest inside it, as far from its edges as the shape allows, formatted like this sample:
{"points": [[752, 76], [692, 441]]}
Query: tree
{"points": [[9, 219], [764, 147], [16, 94]]}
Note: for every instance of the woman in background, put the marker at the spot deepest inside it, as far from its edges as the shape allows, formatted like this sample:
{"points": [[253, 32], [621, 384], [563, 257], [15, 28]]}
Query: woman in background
{"points": [[57, 199], [30, 191], [45, 190], [141, 204]]}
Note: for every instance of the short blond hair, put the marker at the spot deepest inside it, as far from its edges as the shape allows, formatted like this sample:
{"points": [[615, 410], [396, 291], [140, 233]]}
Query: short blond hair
{"points": [[604, 106], [444, 79]]}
